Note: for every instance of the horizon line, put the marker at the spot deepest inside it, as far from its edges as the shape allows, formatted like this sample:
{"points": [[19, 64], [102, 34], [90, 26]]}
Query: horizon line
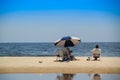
{"points": [[53, 42]]}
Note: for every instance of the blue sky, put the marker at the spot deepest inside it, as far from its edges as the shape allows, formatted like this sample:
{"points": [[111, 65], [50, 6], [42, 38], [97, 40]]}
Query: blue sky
{"points": [[48, 20]]}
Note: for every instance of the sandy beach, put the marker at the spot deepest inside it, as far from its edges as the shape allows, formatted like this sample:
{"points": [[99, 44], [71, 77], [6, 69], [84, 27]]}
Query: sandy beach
{"points": [[49, 65]]}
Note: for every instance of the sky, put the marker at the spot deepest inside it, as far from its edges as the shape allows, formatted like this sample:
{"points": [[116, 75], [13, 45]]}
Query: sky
{"points": [[49, 20]]}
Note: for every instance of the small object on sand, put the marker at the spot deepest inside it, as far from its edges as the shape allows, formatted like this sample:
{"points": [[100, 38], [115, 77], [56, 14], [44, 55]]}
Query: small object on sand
{"points": [[88, 59], [40, 61]]}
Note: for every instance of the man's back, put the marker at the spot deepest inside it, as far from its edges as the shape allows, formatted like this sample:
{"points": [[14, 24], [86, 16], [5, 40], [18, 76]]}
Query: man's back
{"points": [[96, 51]]}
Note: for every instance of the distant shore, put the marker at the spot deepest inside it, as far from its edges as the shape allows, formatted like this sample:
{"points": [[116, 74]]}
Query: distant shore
{"points": [[49, 64]]}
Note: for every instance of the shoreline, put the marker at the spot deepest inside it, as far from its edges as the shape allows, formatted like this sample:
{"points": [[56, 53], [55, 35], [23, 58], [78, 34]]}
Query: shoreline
{"points": [[53, 56], [48, 64]]}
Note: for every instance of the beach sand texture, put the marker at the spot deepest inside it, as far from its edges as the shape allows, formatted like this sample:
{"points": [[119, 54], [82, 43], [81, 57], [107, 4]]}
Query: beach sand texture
{"points": [[49, 65]]}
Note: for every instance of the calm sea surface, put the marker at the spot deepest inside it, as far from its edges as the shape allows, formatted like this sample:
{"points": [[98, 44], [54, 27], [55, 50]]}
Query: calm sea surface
{"points": [[49, 49], [54, 76]]}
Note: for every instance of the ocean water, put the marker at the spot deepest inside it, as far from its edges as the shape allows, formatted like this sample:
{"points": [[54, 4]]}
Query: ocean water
{"points": [[59, 76], [49, 49]]}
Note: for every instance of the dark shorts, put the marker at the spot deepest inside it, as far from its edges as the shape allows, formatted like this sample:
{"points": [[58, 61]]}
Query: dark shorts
{"points": [[96, 55]]}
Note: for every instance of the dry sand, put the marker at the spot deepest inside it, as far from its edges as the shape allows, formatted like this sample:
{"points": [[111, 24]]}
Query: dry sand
{"points": [[48, 65]]}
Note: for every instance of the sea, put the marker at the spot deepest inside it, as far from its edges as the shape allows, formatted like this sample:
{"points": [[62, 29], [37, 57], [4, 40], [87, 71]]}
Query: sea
{"points": [[109, 49]]}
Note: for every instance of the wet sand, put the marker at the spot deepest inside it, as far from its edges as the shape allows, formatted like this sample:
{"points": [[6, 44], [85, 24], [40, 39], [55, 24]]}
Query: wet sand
{"points": [[50, 65]]}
